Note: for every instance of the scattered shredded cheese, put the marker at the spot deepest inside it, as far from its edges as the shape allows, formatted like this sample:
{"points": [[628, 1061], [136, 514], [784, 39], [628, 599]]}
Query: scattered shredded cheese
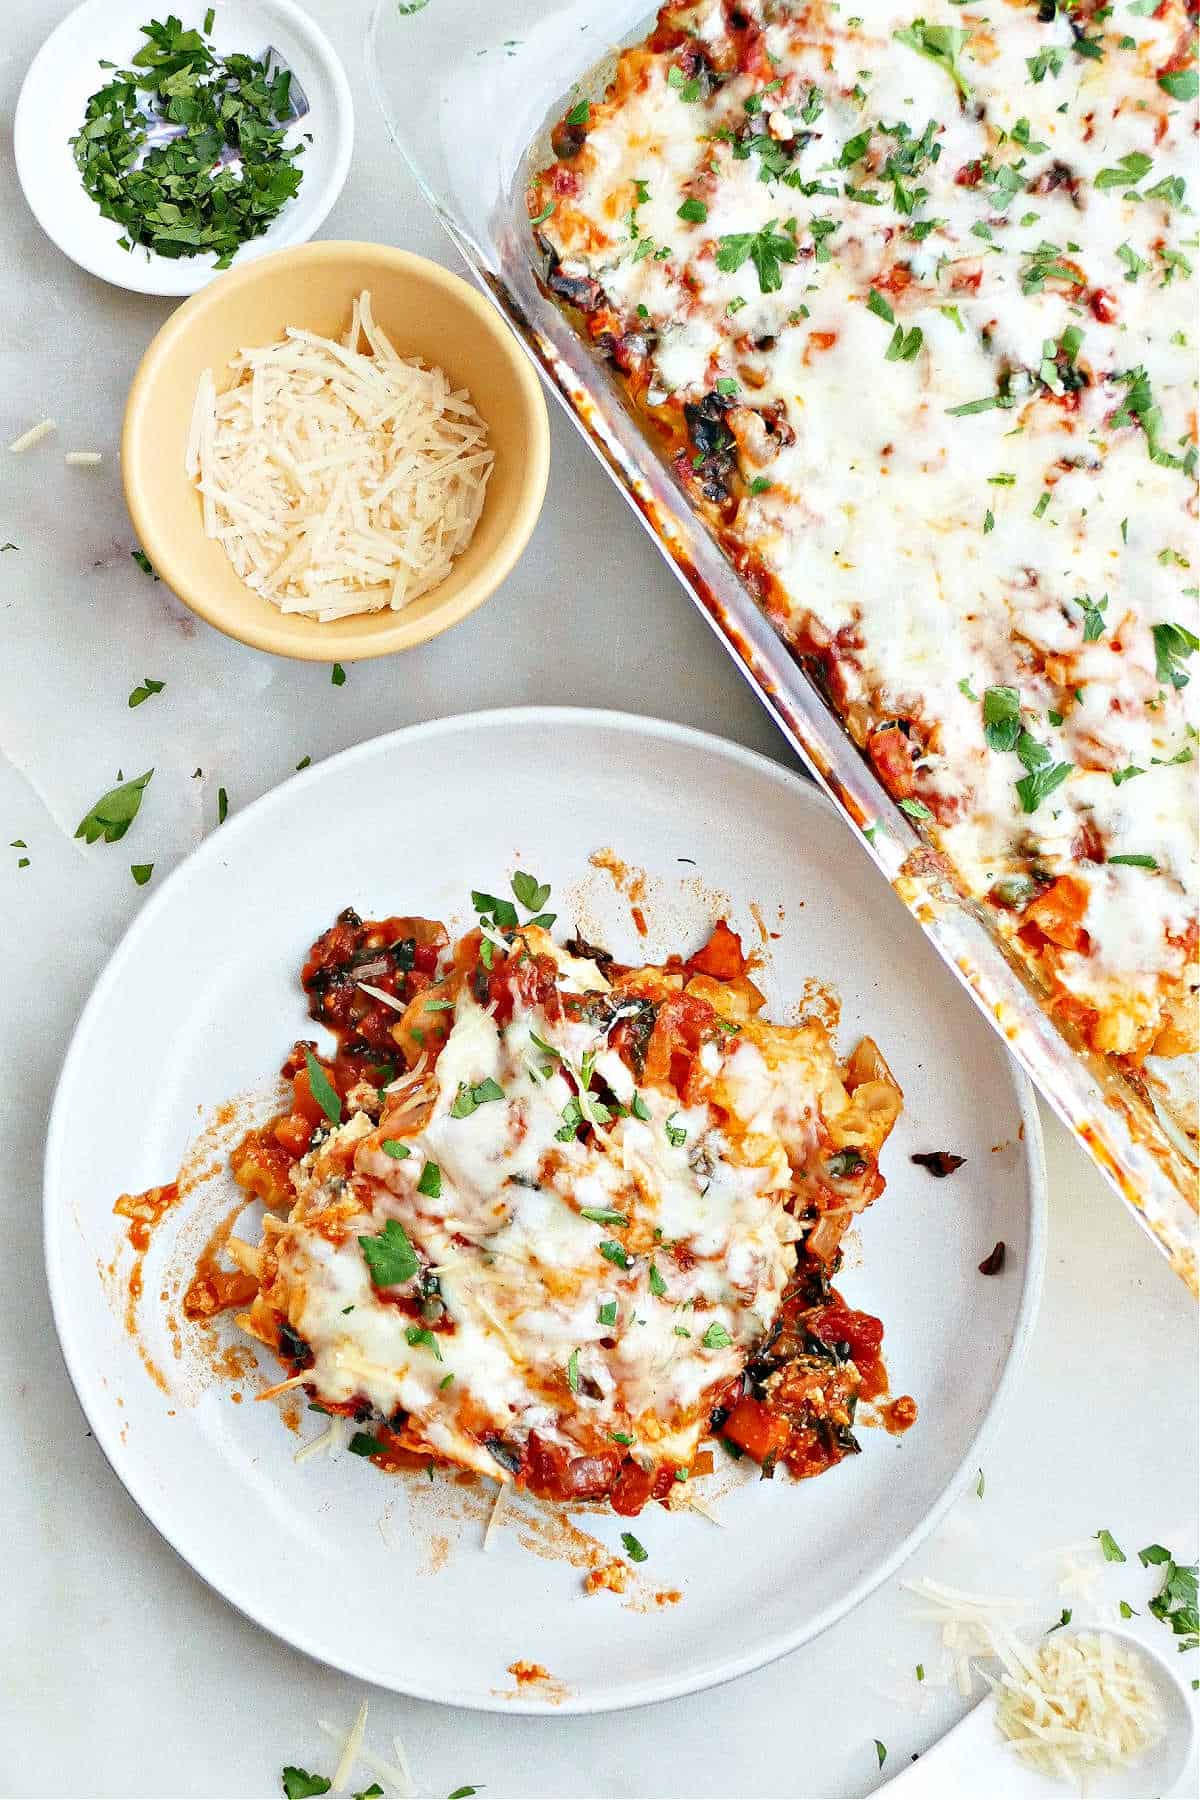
{"points": [[281, 1387], [350, 1750], [494, 1515], [398, 1779], [382, 994], [338, 480], [83, 459], [333, 1438], [33, 436], [1087, 1705]]}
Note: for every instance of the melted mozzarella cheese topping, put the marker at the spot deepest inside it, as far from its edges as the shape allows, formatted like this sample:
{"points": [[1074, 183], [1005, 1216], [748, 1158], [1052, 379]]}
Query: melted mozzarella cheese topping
{"points": [[954, 552], [625, 1322]]}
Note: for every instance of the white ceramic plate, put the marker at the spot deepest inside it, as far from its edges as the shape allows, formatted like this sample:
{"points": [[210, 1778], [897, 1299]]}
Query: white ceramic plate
{"points": [[202, 999], [66, 72]]}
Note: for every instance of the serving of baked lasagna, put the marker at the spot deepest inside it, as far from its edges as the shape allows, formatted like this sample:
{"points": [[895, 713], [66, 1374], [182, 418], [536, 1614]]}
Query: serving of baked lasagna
{"points": [[907, 301], [556, 1220]]}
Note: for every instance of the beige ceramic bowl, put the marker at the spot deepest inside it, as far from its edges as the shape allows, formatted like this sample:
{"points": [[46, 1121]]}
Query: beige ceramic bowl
{"points": [[426, 312]]}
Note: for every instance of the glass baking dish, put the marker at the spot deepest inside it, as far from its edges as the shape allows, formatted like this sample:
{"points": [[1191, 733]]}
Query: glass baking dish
{"points": [[469, 93]]}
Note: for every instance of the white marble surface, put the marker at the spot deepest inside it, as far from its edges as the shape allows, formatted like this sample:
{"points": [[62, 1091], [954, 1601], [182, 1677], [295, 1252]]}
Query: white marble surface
{"points": [[120, 1674]]}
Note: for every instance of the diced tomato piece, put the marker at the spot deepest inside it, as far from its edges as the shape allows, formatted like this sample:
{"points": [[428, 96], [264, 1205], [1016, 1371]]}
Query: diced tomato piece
{"points": [[1058, 913], [889, 751], [756, 1429], [304, 1103], [294, 1133], [721, 957], [632, 1488], [682, 1022], [840, 1325]]}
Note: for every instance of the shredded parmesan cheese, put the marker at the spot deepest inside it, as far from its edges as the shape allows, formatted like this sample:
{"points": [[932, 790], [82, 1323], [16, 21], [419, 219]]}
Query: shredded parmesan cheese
{"points": [[83, 459], [33, 436], [494, 1515], [382, 995], [1077, 1703], [338, 480], [350, 1750], [399, 1779], [1087, 1705]]}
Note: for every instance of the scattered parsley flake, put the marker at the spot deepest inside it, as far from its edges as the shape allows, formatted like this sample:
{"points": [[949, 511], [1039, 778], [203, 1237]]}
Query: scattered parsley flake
{"points": [[390, 1256], [114, 812]]}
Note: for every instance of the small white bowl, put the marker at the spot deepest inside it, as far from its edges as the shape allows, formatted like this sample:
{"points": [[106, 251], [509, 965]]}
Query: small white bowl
{"points": [[66, 72]]}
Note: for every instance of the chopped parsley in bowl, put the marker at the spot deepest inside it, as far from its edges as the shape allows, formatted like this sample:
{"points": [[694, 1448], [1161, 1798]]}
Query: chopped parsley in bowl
{"points": [[187, 150]]}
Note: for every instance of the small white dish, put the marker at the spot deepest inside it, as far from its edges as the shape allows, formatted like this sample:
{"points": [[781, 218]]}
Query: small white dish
{"points": [[66, 72], [973, 1758], [201, 1001]]}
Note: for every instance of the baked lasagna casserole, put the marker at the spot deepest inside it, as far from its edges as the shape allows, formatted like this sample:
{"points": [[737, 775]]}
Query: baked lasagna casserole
{"points": [[907, 299], [557, 1221]]}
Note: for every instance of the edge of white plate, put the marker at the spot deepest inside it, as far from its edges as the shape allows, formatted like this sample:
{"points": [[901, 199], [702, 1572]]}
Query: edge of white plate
{"points": [[667, 1688], [165, 277]]}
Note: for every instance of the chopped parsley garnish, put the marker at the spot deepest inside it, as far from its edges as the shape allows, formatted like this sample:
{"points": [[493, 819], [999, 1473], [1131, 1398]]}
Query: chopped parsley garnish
{"points": [[942, 44], [658, 1286], [541, 217], [905, 346], [607, 1314], [676, 1134], [573, 1371], [603, 1215], [881, 307], [222, 806], [881, 1748], [141, 872], [615, 1253], [1181, 84], [390, 1256], [1172, 643], [1047, 62], [579, 113], [1129, 170], [337, 675], [637, 1552], [916, 809], [470, 1099], [693, 210], [1041, 782], [419, 1334], [148, 686], [226, 175], [1112, 1550], [323, 1090], [114, 812], [139, 556], [1134, 862], [1064, 1618], [716, 1337], [361, 1444], [430, 1183], [765, 248], [979, 1486], [1139, 405], [687, 87], [1093, 616], [298, 1784], [1175, 1603]]}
